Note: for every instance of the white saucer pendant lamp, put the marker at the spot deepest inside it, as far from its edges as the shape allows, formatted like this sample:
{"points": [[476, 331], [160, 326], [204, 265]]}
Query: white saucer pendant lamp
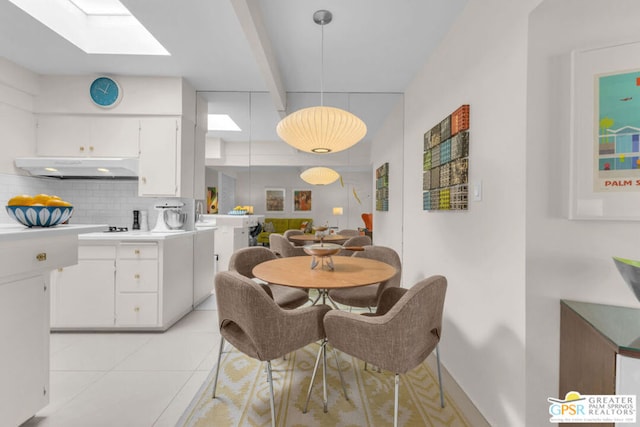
{"points": [[321, 129], [319, 176]]}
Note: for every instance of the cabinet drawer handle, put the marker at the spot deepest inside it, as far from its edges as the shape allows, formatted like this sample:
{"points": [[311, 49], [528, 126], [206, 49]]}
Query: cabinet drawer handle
{"points": [[91, 148], [60, 270], [136, 276], [81, 148], [144, 180], [137, 252], [136, 309], [42, 256]]}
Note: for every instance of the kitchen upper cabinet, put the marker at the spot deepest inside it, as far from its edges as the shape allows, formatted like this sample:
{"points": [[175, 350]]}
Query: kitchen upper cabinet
{"points": [[166, 163], [87, 136]]}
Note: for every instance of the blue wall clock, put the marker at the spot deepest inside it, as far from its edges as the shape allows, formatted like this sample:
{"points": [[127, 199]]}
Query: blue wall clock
{"points": [[105, 92]]}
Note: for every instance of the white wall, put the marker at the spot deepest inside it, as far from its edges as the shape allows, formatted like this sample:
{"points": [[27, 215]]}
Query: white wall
{"points": [[387, 146], [565, 259], [481, 62]]}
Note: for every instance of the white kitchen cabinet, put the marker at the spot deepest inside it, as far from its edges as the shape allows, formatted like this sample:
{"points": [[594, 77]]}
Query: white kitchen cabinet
{"points": [[137, 309], [149, 285], [229, 240], [26, 258], [204, 264], [166, 162], [24, 358], [82, 294], [87, 136], [232, 234], [137, 284]]}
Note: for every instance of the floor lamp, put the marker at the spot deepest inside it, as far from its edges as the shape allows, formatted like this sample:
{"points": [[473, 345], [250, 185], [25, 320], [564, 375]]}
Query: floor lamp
{"points": [[337, 211]]}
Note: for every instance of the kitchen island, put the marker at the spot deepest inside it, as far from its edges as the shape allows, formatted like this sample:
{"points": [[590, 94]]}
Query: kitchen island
{"points": [[27, 255], [132, 281]]}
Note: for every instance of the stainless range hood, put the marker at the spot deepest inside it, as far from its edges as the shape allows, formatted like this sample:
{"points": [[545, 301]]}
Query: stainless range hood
{"points": [[80, 167]]}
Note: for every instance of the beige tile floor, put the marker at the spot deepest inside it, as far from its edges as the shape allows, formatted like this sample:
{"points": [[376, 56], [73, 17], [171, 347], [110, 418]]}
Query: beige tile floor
{"points": [[146, 379], [129, 379]]}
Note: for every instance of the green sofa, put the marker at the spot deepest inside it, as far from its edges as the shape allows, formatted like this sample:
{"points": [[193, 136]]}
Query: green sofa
{"points": [[280, 225]]}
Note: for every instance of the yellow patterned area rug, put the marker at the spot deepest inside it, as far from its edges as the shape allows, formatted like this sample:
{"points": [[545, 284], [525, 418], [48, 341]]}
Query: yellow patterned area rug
{"points": [[243, 395]]}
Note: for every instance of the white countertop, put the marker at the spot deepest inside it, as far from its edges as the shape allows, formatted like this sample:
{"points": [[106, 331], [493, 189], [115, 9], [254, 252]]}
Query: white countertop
{"points": [[15, 231], [135, 235]]}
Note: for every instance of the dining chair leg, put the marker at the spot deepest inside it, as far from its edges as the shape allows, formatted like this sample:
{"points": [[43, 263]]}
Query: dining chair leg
{"points": [[333, 303], [317, 298], [335, 354], [324, 376], [271, 399], [439, 376], [313, 376], [395, 403], [215, 380]]}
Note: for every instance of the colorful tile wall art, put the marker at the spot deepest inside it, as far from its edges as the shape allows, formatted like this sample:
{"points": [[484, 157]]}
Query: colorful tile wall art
{"points": [[382, 188], [445, 178]]}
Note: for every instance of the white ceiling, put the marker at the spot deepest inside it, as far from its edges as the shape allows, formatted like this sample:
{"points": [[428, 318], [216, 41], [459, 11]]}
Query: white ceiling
{"points": [[371, 46]]}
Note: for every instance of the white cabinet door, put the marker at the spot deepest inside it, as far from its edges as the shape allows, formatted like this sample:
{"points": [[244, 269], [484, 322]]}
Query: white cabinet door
{"points": [[80, 136], [137, 309], [158, 165], [62, 136], [114, 137], [83, 294], [137, 275], [24, 354], [204, 265]]}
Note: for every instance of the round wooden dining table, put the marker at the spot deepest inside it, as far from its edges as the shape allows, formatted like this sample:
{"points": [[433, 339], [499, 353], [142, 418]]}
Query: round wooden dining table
{"points": [[348, 272], [312, 238]]}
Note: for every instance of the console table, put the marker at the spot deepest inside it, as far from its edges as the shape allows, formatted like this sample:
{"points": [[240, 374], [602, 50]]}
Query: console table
{"points": [[599, 350]]}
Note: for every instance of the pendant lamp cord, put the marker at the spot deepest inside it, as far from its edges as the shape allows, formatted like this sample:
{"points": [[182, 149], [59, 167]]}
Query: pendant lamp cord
{"points": [[322, 65]]}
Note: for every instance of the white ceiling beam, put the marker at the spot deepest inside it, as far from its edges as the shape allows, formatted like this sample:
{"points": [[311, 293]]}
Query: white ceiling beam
{"points": [[250, 19]]}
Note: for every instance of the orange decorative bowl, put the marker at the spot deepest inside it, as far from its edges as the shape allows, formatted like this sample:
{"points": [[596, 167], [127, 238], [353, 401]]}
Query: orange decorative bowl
{"points": [[40, 216]]}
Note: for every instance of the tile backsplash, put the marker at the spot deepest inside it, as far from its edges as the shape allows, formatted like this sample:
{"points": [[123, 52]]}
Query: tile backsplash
{"points": [[109, 202]]}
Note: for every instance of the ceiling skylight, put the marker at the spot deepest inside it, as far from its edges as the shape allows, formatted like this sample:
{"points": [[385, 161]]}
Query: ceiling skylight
{"points": [[95, 26], [101, 7], [222, 122]]}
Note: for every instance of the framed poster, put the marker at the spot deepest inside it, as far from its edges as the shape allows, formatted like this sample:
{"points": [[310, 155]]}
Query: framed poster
{"points": [[301, 200], [274, 198], [605, 133], [382, 188]]}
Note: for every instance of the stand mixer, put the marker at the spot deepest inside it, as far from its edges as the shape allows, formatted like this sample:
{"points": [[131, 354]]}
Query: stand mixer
{"points": [[171, 219]]}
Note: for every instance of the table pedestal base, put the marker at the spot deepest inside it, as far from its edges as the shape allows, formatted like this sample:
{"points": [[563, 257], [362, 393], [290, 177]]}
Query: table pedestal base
{"points": [[324, 260]]}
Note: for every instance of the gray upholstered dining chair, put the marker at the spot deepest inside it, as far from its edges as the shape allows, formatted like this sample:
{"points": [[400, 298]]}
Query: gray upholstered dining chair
{"points": [[348, 232], [368, 296], [243, 260], [255, 325], [283, 248], [404, 330], [293, 232], [354, 241]]}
